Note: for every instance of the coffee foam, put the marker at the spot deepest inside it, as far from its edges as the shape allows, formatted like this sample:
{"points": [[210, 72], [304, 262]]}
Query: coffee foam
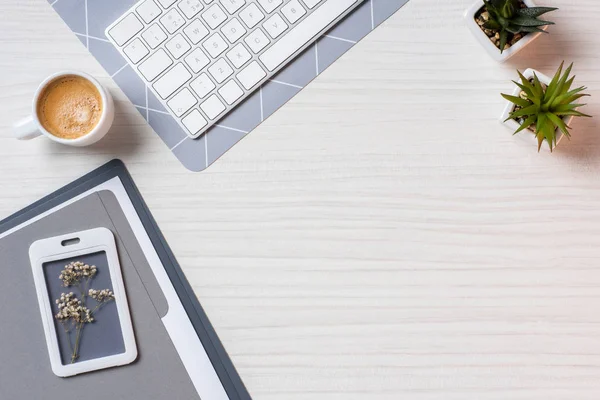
{"points": [[70, 107]]}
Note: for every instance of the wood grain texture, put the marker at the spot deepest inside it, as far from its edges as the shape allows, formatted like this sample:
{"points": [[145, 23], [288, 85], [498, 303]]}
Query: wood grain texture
{"points": [[382, 236]]}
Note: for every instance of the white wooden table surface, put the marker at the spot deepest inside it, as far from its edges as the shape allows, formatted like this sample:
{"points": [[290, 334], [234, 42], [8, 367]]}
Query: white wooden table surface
{"points": [[380, 237]]}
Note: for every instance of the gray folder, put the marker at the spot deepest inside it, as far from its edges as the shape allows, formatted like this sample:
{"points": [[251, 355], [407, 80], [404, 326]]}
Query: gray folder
{"points": [[158, 372]]}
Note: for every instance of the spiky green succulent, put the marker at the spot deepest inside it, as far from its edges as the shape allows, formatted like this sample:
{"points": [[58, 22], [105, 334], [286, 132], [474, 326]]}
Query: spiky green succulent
{"points": [[546, 107], [507, 17]]}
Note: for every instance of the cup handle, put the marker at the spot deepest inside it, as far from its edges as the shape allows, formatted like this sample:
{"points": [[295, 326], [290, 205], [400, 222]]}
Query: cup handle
{"points": [[26, 129]]}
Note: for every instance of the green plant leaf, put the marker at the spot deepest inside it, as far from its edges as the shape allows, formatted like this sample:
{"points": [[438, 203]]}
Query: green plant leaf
{"points": [[524, 80], [538, 90], [514, 29], [576, 97], [551, 90], [539, 132], [566, 107], [572, 113], [570, 109], [491, 24], [527, 90], [508, 9], [550, 133], [529, 29], [517, 100], [530, 89], [535, 11], [489, 5], [563, 80], [565, 96], [568, 97], [493, 14], [540, 138], [569, 84], [502, 21], [557, 121], [503, 40], [547, 131], [527, 21], [526, 124], [532, 109]]}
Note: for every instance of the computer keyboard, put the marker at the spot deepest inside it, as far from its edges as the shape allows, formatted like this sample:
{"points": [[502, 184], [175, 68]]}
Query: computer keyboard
{"points": [[203, 57]]}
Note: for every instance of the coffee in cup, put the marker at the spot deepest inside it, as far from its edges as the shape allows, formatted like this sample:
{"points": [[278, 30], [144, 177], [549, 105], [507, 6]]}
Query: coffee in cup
{"points": [[69, 107]]}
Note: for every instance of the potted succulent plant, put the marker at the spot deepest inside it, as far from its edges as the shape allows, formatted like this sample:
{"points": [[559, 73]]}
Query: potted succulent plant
{"points": [[543, 106], [505, 27]]}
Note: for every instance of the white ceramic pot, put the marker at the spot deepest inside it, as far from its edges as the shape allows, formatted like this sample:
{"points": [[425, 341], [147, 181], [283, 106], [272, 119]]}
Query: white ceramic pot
{"points": [[487, 43], [513, 125]]}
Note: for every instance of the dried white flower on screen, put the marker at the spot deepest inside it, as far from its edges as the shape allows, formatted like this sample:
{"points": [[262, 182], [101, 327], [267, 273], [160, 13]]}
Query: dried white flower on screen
{"points": [[101, 295], [75, 272], [73, 313]]}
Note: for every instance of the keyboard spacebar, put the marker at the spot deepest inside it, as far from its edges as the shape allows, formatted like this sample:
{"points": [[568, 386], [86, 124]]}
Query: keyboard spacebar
{"points": [[304, 32]]}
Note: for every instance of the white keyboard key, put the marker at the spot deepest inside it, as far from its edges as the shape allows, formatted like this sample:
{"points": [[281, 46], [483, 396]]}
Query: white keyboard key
{"points": [[127, 28], [251, 75], [251, 15], [172, 21], [230, 92], [220, 70], [182, 102], [215, 45], [293, 11], [311, 3], [232, 5], [136, 50], [212, 107], [197, 60], [202, 85], [195, 31], [178, 46], [148, 10], [167, 84], [155, 65], [270, 5], [214, 16], [239, 55], [190, 7], [166, 3], [304, 32], [257, 41], [233, 30], [194, 122], [275, 26], [154, 36]]}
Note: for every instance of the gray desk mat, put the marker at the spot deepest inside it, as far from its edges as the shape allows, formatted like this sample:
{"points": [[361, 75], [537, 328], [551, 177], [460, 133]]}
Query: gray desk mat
{"points": [[88, 19], [158, 372]]}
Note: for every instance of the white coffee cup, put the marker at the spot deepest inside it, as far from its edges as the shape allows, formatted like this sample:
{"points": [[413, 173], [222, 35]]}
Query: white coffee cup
{"points": [[30, 127]]}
